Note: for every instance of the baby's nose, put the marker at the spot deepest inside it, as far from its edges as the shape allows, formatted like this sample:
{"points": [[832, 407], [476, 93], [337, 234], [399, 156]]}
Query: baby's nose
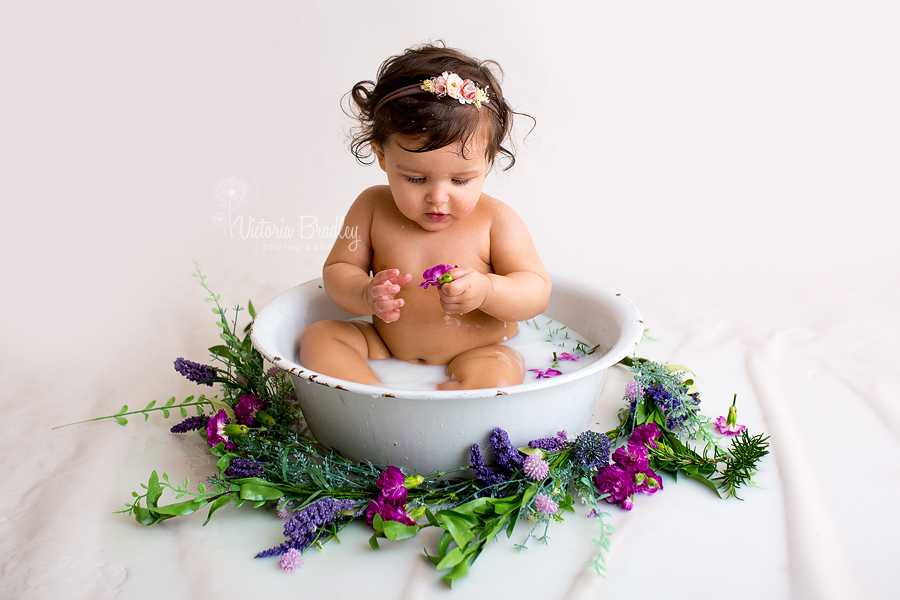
{"points": [[437, 195]]}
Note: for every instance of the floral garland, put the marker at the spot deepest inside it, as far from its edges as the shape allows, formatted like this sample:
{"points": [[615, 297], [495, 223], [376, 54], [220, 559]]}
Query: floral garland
{"points": [[266, 457]]}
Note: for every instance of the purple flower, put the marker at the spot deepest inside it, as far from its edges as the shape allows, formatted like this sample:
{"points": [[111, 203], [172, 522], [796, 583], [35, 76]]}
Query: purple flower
{"points": [[535, 467], [390, 485], [545, 504], [246, 408], [616, 482], [388, 512], [191, 424], [567, 356], [591, 450], [553, 444], [291, 560], [646, 435], [647, 482], [632, 458], [305, 527], [436, 276], [241, 468], [546, 373], [215, 431], [482, 473], [507, 455], [195, 371]]}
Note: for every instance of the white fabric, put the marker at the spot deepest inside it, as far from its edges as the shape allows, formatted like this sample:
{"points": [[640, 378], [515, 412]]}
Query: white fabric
{"points": [[731, 168]]}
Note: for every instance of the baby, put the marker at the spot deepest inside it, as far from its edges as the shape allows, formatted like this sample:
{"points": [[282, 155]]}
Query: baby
{"points": [[435, 121]]}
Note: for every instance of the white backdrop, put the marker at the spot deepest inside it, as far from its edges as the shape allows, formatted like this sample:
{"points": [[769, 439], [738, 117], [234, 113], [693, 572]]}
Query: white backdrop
{"points": [[730, 167]]}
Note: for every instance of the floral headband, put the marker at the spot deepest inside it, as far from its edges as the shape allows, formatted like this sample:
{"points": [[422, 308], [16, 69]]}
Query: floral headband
{"points": [[446, 84]]}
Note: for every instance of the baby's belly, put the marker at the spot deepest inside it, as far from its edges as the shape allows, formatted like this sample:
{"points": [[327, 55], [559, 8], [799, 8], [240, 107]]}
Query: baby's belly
{"points": [[438, 339]]}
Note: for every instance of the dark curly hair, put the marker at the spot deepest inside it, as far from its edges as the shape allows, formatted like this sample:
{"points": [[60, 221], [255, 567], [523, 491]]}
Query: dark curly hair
{"points": [[434, 122]]}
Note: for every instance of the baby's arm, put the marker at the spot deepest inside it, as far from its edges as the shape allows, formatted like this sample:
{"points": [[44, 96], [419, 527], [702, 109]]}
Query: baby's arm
{"points": [[519, 287], [346, 271]]}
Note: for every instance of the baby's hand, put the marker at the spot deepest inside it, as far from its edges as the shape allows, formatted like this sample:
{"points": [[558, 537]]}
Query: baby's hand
{"points": [[380, 294], [466, 292]]}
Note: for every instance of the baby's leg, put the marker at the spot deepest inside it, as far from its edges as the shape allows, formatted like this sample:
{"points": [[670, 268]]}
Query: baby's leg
{"points": [[340, 349], [487, 367]]}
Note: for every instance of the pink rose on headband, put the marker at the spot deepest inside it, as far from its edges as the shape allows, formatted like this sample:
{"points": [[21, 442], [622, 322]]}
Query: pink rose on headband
{"points": [[454, 83], [468, 90], [440, 84]]}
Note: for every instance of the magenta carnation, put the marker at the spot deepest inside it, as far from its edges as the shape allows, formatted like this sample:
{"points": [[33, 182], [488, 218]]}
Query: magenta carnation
{"points": [[246, 408], [215, 431], [390, 484], [616, 482], [435, 276], [646, 435], [388, 512], [631, 457]]}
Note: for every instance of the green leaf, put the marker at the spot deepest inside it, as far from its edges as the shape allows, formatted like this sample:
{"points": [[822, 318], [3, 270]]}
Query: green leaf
{"points": [[451, 559], [170, 401], [373, 541], [458, 526], [149, 406], [181, 508], [395, 531], [121, 420], [201, 488], [217, 504], [123, 410], [256, 493], [446, 538], [705, 481], [183, 412], [221, 351], [460, 571], [154, 490], [143, 515], [250, 308], [165, 412]]}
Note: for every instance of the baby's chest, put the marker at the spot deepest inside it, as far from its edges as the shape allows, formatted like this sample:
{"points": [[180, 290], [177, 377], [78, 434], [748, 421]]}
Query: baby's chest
{"points": [[413, 251]]}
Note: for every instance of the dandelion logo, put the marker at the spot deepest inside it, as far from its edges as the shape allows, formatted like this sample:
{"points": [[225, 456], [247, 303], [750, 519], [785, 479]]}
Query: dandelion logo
{"points": [[231, 194]]}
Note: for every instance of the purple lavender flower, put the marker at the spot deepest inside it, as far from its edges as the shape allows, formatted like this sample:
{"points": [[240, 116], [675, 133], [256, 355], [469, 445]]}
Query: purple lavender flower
{"points": [[508, 456], [304, 528], [553, 444], [195, 371], [437, 276], [535, 467], [247, 407], [215, 431], [591, 450], [191, 424], [546, 373], [482, 473], [240, 468], [545, 504]]}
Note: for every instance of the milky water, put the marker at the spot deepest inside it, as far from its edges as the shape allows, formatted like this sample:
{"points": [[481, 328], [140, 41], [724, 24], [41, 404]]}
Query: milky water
{"points": [[537, 341]]}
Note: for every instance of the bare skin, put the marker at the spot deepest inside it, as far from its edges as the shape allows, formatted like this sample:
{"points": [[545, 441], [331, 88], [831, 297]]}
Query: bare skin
{"points": [[432, 212]]}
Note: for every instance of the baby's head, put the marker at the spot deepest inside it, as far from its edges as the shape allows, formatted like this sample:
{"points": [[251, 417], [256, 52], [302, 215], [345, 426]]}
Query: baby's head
{"points": [[395, 105]]}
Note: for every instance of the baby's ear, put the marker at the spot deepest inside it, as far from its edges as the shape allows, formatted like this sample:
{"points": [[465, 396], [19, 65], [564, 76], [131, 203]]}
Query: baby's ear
{"points": [[379, 154]]}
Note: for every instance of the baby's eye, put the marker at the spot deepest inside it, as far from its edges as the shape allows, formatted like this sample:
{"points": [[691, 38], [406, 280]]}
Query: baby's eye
{"points": [[461, 181], [414, 179]]}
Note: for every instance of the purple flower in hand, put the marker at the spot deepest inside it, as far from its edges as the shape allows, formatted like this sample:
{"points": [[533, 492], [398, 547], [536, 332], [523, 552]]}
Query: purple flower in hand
{"points": [[546, 373], [215, 431], [246, 408], [618, 483], [437, 276], [390, 484]]}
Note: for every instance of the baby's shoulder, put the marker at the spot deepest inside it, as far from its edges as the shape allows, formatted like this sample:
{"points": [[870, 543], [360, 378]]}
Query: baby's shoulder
{"points": [[502, 215]]}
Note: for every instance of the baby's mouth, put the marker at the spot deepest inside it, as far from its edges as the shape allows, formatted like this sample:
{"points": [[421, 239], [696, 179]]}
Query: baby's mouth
{"points": [[437, 216]]}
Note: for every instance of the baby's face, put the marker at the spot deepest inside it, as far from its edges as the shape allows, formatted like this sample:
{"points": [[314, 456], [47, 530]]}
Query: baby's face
{"points": [[436, 188]]}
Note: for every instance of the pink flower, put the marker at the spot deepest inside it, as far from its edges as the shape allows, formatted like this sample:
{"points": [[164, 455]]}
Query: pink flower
{"points": [[388, 512], [633, 391], [646, 435], [390, 483], [291, 560], [730, 426], [545, 504], [468, 90], [454, 83], [535, 467], [567, 356], [215, 431], [546, 373], [632, 458], [616, 482]]}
